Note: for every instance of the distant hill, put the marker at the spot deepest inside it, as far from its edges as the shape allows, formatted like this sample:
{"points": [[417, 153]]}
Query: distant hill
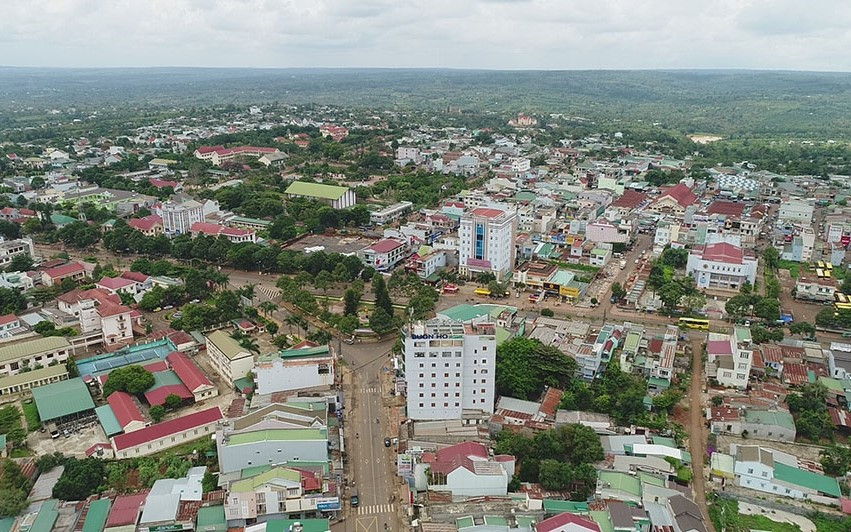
{"points": [[729, 103]]}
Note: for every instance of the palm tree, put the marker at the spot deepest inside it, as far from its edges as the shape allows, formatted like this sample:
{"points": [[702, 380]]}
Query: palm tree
{"points": [[219, 280], [247, 291], [267, 307], [250, 344], [292, 320]]}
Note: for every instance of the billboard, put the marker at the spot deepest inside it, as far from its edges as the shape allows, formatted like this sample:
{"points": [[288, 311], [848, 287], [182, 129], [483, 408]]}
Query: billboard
{"points": [[404, 465], [328, 504]]}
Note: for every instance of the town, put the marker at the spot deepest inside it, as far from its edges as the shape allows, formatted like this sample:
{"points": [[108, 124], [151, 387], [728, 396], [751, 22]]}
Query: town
{"points": [[314, 318]]}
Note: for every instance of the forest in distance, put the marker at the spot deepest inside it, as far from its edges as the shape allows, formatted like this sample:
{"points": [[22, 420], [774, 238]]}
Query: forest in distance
{"points": [[730, 103]]}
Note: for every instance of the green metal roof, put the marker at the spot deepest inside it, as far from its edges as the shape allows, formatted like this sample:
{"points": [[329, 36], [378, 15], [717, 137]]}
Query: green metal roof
{"points": [[563, 277], [653, 480], [61, 219], [243, 383], [96, 518], [807, 479], [2, 441], [316, 190], [621, 481], [108, 421], [553, 506], [165, 378], [834, 385], [62, 399], [251, 484], [525, 521], [6, 524], [46, 517], [228, 345], [250, 220], [276, 435], [210, 519], [309, 525], [659, 382], [468, 312], [662, 440], [496, 520], [32, 376], [603, 520], [306, 352], [29, 348], [771, 417], [464, 522]]}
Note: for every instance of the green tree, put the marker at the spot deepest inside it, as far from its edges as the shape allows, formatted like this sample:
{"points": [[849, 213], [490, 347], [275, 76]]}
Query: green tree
{"points": [[547, 312], [767, 309], [351, 301], [157, 413], [618, 290], [670, 294], [803, 328], [382, 295], [771, 258], [20, 263], [80, 479], [524, 366], [380, 321], [133, 379], [737, 306], [172, 401], [836, 460], [11, 426]]}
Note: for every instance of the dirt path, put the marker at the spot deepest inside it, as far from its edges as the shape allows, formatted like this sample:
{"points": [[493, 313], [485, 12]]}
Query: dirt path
{"points": [[697, 433]]}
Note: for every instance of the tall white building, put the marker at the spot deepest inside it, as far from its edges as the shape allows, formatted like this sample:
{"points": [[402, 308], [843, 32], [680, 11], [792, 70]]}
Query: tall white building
{"points": [[449, 368], [721, 265], [11, 248], [487, 242], [179, 214]]}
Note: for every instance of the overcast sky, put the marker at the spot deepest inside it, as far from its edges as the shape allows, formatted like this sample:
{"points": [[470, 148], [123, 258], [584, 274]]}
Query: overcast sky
{"points": [[488, 34]]}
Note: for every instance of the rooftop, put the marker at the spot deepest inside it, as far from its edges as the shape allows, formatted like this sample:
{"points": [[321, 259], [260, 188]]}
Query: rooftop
{"points": [[316, 190], [276, 435], [166, 428], [227, 345], [32, 347], [62, 398], [807, 479]]}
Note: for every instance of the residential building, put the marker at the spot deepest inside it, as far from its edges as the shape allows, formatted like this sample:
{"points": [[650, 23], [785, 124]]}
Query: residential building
{"points": [[449, 367], [295, 369], [774, 425], [54, 276], [165, 506], [779, 474], [604, 231], [228, 358], [151, 225], [795, 212], [674, 200], [336, 197], [24, 382], [178, 214], [427, 265], [19, 281], [125, 512], [667, 232], [273, 159], [599, 257], [729, 360], [8, 324], [219, 154], [278, 434], [487, 242], [116, 285], [801, 247], [465, 470], [167, 434], [405, 154], [820, 289], [390, 213], [31, 352], [384, 255], [567, 522], [98, 310], [722, 266], [280, 492], [233, 234], [13, 248], [837, 228]]}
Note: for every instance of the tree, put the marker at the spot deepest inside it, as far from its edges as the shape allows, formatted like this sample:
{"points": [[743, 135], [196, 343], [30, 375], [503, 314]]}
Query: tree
{"points": [[172, 401], [836, 460], [80, 479], [14, 487], [157, 413], [771, 258], [618, 291], [767, 309], [380, 320], [11, 426], [671, 294], [547, 312], [675, 258], [20, 263], [382, 295], [524, 366], [12, 502], [809, 409], [803, 328], [133, 379], [737, 306], [268, 307], [351, 301], [209, 482]]}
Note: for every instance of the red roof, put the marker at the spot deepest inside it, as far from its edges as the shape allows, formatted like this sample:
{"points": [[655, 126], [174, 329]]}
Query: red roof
{"points": [[124, 408], [125, 508], [550, 403], [189, 373], [181, 337], [719, 347], [114, 283], [7, 319], [162, 183], [723, 252], [147, 223], [157, 396], [560, 521], [167, 428], [727, 208], [65, 270], [98, 294], [630, 199], [139, 277], [795, 374], [106, 309], [155, 366], [210, 149], [96, 447], [385, 246], [681, 194], [487, 213]]}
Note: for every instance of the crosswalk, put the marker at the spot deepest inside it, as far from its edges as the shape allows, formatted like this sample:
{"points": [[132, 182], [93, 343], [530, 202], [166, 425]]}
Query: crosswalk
{"points": [[271, 293], [374, 509], [370, 390]]}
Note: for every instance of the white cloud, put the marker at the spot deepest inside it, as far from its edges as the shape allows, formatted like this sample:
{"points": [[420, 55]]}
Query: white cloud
{"points": [[497, 34]]}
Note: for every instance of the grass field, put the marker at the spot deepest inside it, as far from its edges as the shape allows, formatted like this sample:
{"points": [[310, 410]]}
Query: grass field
{"points": [[31, 415]]}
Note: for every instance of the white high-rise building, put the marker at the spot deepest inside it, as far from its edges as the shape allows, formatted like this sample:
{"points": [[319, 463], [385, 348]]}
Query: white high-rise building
{"points": [[449, 368], [179, 214], [487, 242]]}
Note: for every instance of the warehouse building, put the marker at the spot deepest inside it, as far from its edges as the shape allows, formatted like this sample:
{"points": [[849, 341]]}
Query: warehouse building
{"points": [[167, 434], [336, 197], [64, 402]]}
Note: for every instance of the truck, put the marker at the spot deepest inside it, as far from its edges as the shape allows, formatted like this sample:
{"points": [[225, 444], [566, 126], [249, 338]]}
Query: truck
{"points": [[623, 264]]}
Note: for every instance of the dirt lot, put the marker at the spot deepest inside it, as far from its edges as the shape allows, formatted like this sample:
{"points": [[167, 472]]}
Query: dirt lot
{"points": [[801, 450], [331, 243]]}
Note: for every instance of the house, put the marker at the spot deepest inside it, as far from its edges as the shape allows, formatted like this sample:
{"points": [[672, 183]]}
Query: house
{"points": [[729, 360], [192, 377], [9, 323], [125, 512], [782, 475], [219, 154], [280, 492], [228, 358], [166, 505], [774, 425], [295, 369], [54, 276], [599, 257], [819, 289], [465, 470], [390, 213], [167, 434], [99, 310], [115, 285], [674, 200], [151, 225], [801, 247], [604, 231], [273, 159], [567, 522], [233, 234], [722, 266], [686, 514], [126, 412], [336, 197], [178, 214], [384, 255], [12, 248]]}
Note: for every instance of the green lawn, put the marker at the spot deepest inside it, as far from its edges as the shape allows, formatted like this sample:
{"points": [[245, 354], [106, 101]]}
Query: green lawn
{"points": [[793, 267], [730, 520], [21, 452], [31, 415]]}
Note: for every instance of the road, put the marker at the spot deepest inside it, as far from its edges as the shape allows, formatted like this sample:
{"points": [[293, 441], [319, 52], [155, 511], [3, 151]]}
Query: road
{"points": [[697, 428]]}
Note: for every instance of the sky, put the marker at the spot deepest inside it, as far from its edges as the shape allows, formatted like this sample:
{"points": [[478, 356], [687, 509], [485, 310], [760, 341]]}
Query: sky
{"points": [[480, 34]]}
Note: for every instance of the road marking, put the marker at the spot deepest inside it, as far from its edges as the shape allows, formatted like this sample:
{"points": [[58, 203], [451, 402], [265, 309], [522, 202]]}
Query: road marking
{"points": [[271, 293], [370, 390], [369, 524], [375, 509]]}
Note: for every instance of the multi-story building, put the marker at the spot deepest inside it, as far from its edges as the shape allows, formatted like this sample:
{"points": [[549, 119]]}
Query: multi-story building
{"points": [[390, 213], [815, 289], [12, 248], [796, 212], [465, 470], [228, 358], [179, 214], [729, 358], [449, 368], [14, 356], [233, 234], [98, 310], [295, 369], [837, 228], [604, 231], [801, 247], [54, 276], [780, 474], [384, 255], [280, 492], [487, 242], [721, 265]]}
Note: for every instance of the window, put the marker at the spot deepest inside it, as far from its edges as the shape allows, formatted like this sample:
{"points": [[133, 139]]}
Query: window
{"points": [[750, 471]]}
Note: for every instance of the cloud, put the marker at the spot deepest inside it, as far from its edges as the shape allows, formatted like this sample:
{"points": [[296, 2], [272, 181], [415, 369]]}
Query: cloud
{"points": [[493, 34]]}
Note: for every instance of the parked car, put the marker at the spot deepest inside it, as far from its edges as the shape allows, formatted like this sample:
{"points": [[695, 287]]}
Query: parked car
{"points": [[387, 442]]}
